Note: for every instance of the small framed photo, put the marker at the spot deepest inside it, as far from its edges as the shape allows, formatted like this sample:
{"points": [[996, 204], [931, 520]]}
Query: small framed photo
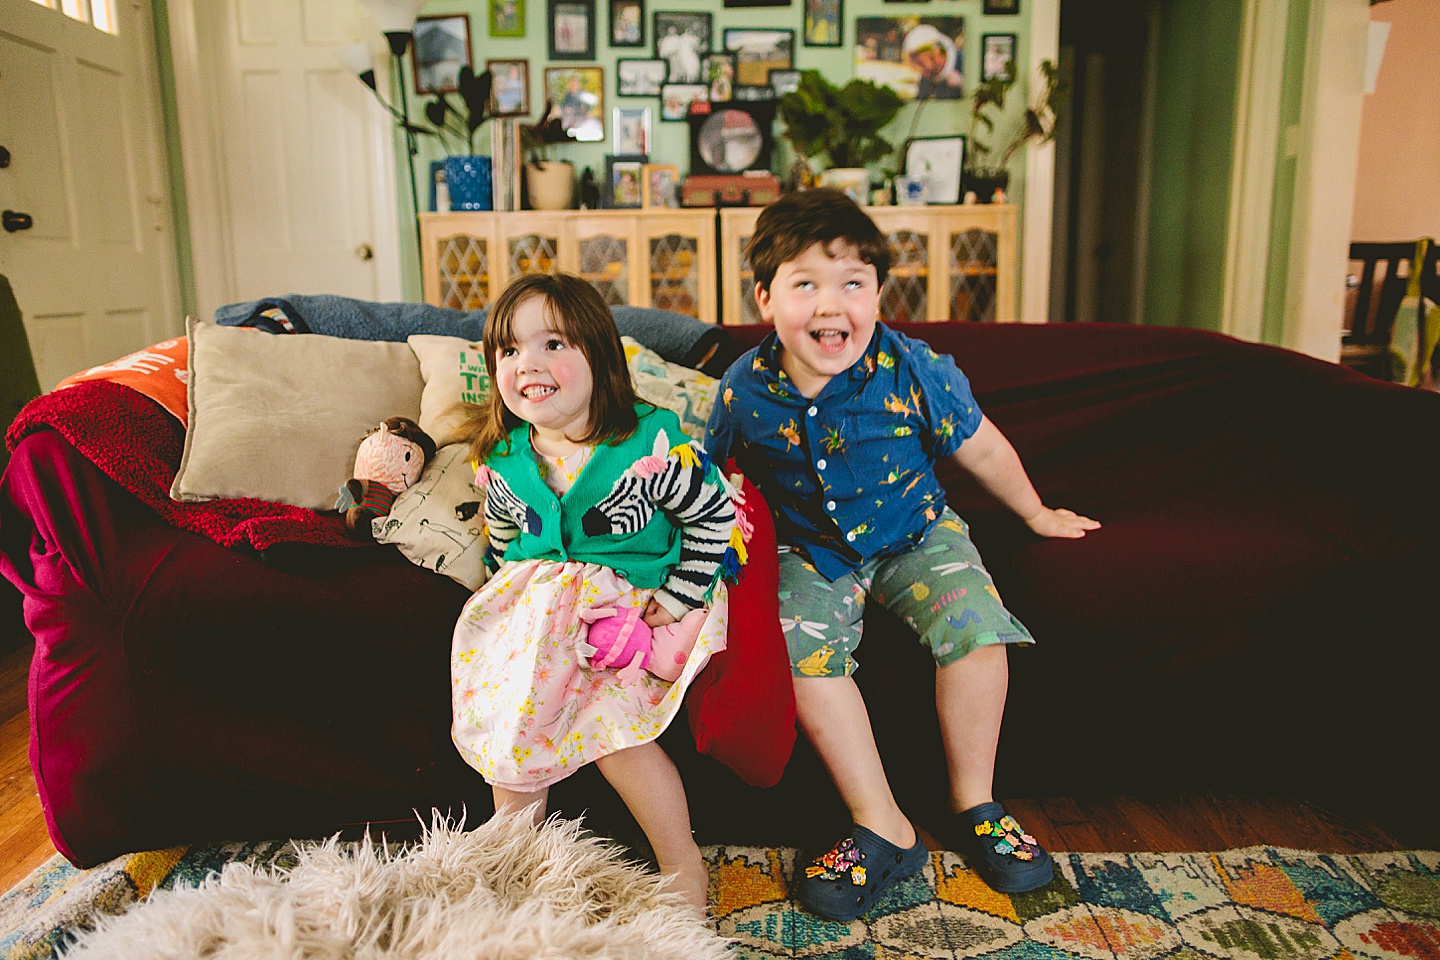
{"points": [[623, 177], [632, 130], [639, 78], [660, 185], [784, 81], [675, 99], [681, 40], [507, 18], [719, 71], [749, 93], [732, 138], [824, 20], [1001, 7], [627, 23], [572, 29], [758, 51], [510, 87], [997, 55], [578, 94], [939, 160], [442, 47]]}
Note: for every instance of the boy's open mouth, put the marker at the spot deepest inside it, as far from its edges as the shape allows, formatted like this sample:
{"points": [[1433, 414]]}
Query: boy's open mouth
{"points": [[832, 341]]}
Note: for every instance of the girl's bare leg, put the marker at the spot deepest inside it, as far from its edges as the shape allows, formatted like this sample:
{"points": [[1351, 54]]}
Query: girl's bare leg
{"points": [[513, 801]]}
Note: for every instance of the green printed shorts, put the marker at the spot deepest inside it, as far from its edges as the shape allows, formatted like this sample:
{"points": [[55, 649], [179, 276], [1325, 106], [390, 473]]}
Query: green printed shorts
{"points": [[938, 587]]}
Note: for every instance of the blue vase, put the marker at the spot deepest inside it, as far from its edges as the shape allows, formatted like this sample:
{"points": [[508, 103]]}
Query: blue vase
{"points": [[468, 180]]}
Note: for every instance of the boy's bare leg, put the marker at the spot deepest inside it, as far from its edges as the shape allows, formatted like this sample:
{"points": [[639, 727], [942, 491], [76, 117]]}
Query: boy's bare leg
{"points": [[970, 700], [513, 801], [646, 779], [832, 713]]}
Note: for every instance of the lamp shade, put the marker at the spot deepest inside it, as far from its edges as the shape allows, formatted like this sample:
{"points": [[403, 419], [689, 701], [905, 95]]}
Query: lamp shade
{"points": [[394, 16], [358, 57]]}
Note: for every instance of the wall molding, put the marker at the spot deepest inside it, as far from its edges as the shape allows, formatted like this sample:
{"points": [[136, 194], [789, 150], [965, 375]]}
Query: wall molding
{"points": [[1036, 232]]}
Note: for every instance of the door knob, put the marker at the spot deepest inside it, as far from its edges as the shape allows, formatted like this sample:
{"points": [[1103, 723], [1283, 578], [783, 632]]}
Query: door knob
{"points": [[364, 252], [17, 221]]}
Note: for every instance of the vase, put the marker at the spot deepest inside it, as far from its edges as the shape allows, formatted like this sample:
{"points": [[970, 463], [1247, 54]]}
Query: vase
{"points": [[551, 184], [984, 183], [468, 181], [854, 182]]}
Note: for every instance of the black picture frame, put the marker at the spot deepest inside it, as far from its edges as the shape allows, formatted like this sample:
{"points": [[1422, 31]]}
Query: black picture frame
{"points": [[757, 3], [758, 50], [989, 68], [578, 94], [676, 98], [945, 157], [824, 23], [685, 48], [571, 29], [640, 76], [1001, 8], [627, 23], [617, 166], [442, 47], [752, 94], [745, 146]]}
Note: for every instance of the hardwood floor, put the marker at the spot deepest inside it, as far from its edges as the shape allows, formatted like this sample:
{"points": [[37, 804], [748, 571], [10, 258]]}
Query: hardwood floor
{"points": [[1093, 824]]}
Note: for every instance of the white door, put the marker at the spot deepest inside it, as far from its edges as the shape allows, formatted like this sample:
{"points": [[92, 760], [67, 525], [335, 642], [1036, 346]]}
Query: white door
{"points": [[301, 193], [79, 115]]}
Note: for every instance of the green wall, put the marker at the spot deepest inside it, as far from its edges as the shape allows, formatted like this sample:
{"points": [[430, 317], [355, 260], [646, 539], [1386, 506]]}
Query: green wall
{"points": [[1190, 174]]}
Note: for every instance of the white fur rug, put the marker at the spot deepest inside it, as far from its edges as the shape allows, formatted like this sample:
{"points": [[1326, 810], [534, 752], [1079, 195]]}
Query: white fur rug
{"points": [[505, 890]]}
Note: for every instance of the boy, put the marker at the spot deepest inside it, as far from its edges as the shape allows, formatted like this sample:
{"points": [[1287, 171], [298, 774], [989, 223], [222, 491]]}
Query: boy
{"points": [[839, 421]]}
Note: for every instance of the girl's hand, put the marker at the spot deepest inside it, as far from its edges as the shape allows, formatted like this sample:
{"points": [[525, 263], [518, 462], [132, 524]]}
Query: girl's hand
{"points": [[656, 615], [1060, 523]]}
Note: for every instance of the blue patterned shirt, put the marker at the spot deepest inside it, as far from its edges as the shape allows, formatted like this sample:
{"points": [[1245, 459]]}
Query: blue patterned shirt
{"points": [[849, 474]]}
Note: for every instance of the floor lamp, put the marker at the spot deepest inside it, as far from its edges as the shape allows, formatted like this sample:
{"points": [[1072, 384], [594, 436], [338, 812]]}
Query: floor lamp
{"points": [[396, 19]]}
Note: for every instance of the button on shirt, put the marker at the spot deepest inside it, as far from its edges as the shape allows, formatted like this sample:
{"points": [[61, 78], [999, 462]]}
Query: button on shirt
{"points": [[849, 473]]}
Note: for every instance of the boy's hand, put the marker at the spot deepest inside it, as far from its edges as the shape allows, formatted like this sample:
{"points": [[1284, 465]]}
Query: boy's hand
{"points": [[657, 616], [1060, 523]]}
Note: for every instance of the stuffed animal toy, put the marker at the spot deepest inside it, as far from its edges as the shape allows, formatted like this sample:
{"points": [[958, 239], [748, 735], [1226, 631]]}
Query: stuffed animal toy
{"points": [[622, 640], [390, 459]]}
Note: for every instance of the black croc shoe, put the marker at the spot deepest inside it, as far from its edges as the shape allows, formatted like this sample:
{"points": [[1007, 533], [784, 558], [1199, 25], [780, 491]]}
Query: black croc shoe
{"points": [[847, 881], [1005, 856]]}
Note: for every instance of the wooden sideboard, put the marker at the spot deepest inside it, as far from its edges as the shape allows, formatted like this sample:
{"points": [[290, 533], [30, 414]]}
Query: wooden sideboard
{"points": [[947, 263]]}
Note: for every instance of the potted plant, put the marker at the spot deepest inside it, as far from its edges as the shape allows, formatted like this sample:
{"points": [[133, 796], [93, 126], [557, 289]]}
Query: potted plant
{"points": [[467, 176], [842, 124], [550, 183], [984, 176]]}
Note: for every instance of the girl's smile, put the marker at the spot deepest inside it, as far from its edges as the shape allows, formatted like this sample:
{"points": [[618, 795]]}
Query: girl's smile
{"points": [[544, 379]]}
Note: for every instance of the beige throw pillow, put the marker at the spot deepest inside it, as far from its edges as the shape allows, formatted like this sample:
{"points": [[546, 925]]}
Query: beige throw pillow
{"points": [[454, 372], [279, 417]]}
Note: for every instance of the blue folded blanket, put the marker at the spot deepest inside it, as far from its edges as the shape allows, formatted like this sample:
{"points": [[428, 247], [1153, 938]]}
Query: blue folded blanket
{"points": [[675, 336]]}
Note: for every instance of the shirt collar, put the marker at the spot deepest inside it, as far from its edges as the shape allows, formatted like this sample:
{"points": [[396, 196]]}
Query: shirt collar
{"points": [[767, 362]]}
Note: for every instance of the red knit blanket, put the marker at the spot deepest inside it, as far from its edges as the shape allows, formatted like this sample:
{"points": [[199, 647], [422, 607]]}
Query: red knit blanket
{"points": [[133, 441]]}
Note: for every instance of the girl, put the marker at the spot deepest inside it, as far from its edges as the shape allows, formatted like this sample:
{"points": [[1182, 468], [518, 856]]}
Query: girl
{"points": [[597, 504]]}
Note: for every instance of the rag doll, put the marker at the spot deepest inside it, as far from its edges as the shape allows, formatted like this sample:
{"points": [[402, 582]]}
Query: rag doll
{"points": [[390, 459], [622, 640]]}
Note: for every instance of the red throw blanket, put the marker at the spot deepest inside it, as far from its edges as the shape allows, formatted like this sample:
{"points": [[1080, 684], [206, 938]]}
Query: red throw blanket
{"points": [[138, 445]]}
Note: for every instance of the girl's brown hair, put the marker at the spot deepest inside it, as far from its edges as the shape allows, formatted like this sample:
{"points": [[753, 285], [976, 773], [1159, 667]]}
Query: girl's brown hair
{"points": [[581, 316]]}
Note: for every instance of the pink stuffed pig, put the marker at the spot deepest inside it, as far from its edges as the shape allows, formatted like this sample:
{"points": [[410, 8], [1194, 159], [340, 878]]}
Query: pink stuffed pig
{"points": [[621, 639]]}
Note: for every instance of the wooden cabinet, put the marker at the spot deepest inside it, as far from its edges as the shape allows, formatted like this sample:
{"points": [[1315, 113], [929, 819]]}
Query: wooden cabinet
{"points": [[647, 258], [946, 263]]}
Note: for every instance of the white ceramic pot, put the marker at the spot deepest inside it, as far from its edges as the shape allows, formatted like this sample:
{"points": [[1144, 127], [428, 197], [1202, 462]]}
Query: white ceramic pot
{"points": [[854, 181], [551, 186]]}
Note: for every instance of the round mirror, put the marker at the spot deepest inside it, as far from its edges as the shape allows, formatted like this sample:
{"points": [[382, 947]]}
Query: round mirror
{"points": [[730, 141]]}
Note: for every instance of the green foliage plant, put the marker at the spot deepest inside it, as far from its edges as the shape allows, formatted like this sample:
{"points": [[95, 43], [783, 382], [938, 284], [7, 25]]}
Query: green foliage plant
{"points": [[841, 123], [454, 123], [1037, 123]]}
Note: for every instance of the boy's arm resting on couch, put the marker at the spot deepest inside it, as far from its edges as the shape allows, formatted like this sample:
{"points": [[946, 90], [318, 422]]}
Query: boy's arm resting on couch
{"points": [[991, 459]]}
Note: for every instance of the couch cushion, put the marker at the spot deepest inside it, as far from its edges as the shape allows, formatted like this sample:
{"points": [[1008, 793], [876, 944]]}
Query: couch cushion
{"points": [[439, 522]]}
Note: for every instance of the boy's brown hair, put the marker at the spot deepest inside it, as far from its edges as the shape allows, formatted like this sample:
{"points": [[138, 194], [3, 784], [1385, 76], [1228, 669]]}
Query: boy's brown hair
{"points": [[578, 312], [798, 221]]}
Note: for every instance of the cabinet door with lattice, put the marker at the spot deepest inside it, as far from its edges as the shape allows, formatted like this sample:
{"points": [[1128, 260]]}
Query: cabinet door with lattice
{"points": [[605, 246], [737, 293], [980, 263], [680, 256], [906, 296], [458, 261], [532, 243]]}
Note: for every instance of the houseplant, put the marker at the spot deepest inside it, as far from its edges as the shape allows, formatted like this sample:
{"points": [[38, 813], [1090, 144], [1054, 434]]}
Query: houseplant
{"points": [[467, 176], [550, 183], [842, 124], [982, 174]]}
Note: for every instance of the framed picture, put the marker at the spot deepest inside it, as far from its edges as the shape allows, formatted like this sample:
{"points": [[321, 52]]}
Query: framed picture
{"points": [[997, 55], [920, 58], [784, 81], [824, 21], [749, 93], [675, 99], [623, 178], [627, 23], [758, 51], [639, 78], [442, 47], [681, 39], [939, 160], [732, 138], [632, 130], [572, 29], [660, 185], [757, 3], [719, 75], [578, 94], [510, 88], [507, 18], [1002, 7]]}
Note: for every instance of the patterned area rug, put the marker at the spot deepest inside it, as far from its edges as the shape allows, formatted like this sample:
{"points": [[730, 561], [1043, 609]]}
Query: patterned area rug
{"points": [[1259, 902]]}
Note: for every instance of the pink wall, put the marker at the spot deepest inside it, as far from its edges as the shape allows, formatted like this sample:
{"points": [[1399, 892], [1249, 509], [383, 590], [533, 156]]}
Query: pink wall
{"points": [[1397, 190]]}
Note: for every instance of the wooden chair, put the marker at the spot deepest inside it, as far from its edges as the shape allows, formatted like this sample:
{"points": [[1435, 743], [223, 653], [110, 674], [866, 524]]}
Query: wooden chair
{"points": [[1379, 285]]}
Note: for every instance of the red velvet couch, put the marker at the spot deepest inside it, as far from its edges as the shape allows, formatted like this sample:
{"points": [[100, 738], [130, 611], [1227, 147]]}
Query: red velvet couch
{"points": [[1257, 614]]}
